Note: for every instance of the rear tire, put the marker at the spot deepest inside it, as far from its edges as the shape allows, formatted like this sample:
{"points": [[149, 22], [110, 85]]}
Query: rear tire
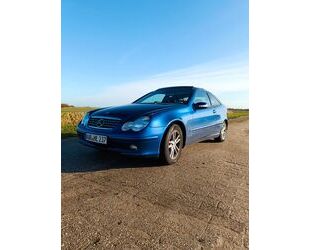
{"points": [[172, 145], [223, 133]]}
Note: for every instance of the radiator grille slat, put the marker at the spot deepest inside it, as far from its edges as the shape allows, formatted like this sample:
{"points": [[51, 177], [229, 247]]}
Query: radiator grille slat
{"points": [[103, 122]]}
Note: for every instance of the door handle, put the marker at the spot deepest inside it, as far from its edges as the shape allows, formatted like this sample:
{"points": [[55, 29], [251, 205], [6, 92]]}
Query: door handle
{"points": [[214, 111]]}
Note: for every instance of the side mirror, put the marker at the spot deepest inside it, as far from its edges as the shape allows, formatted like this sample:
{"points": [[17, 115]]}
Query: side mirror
{"points": [[200, 105]]}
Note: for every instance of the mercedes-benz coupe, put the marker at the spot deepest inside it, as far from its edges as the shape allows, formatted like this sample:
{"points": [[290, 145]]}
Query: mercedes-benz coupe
{"points": [[159, 124]]}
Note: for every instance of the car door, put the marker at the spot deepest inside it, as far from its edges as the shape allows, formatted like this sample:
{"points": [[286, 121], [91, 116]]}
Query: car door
{"points": [[201, 119], [216, 115]]}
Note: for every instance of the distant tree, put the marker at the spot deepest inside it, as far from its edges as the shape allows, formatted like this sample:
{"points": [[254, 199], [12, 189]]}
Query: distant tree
{"points": [[64, 105]]}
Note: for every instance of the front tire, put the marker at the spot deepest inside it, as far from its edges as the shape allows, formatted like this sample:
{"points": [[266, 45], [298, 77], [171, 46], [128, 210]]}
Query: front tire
{"points": [[223, 133], [172, 145]]}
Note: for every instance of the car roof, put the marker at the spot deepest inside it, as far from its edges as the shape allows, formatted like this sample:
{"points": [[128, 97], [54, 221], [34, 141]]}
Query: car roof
{"points": [[179, 87]]}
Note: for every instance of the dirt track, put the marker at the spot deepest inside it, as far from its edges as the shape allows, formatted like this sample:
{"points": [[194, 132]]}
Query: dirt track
{"points": [[201, 202]]}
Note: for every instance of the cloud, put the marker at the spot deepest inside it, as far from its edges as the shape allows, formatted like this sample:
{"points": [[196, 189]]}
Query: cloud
{"points": [[223, 77]]}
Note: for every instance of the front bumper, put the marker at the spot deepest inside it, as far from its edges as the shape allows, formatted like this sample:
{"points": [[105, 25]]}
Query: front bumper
{"points": [[144, 143]]}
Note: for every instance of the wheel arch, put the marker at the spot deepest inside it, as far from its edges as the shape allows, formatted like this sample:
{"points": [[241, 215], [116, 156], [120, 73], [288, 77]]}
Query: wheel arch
{"points": [[182, 126], [226, 121]]}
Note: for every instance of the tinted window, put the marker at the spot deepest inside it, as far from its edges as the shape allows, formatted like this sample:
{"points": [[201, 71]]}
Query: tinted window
{"points": [[214, 101], [201, 96]]}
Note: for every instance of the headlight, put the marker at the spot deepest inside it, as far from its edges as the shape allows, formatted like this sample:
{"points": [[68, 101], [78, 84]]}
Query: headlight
{"points": [[137, 125], [85, 119]]}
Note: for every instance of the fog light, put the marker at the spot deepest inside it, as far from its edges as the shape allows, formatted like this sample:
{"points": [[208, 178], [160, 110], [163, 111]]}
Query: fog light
{"points": [[133, 147]]}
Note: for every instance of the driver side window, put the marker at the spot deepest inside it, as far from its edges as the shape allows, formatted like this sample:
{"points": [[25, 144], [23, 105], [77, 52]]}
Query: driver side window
{"points": [[201, 96]]}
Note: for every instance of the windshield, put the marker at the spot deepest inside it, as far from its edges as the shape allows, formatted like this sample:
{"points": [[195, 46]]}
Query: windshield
{"points": [[167, 96]]}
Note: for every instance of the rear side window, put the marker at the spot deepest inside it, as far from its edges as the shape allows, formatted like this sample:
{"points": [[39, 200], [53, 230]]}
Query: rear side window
{"points": [[201, 96], [214, 100]]}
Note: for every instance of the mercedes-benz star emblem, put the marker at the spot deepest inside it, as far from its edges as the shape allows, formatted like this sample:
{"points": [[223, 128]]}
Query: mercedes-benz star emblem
{"points": [[100, 122]]}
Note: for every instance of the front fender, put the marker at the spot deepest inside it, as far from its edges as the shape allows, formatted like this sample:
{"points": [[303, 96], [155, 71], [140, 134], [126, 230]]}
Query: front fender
{"points": [[165, 120]]}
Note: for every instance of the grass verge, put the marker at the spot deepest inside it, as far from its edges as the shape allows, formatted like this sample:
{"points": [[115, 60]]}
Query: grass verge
{"points": [[235, 113], [70, 117]]}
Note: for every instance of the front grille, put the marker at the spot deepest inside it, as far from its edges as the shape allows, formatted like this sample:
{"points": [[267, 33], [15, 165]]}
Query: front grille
{"points": [[103, 122]]}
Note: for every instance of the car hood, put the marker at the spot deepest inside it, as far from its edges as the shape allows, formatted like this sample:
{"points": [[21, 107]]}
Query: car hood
{"points": [[133, 111]]}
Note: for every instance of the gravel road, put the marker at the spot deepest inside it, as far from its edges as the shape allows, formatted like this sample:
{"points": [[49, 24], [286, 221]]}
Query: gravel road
{"points": [[114, 202]]}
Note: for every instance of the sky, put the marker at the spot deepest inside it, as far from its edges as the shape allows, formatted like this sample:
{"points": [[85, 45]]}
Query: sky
{"points": [[114, 51]]}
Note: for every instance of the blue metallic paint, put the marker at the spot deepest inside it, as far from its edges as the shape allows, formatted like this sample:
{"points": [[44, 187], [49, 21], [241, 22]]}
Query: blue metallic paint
{"points": [[200, 124]]}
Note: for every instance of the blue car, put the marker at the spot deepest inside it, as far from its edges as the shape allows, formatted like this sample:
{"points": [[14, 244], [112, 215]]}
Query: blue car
{"points": [[159, 124]]}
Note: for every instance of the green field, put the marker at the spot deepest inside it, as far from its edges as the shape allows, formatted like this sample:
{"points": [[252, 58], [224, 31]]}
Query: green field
{"points": [[71, 116], [235, 113]]}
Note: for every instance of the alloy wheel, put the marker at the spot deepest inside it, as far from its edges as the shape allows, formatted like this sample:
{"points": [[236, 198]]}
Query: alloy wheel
{"points": [[174, 144]]}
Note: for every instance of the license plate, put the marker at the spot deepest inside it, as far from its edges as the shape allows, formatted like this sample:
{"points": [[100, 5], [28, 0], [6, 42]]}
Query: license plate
{"points": [[96, 138]]}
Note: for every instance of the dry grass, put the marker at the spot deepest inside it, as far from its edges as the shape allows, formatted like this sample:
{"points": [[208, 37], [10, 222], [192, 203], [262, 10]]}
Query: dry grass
{"points": [[70, 117], [69, 121]]}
